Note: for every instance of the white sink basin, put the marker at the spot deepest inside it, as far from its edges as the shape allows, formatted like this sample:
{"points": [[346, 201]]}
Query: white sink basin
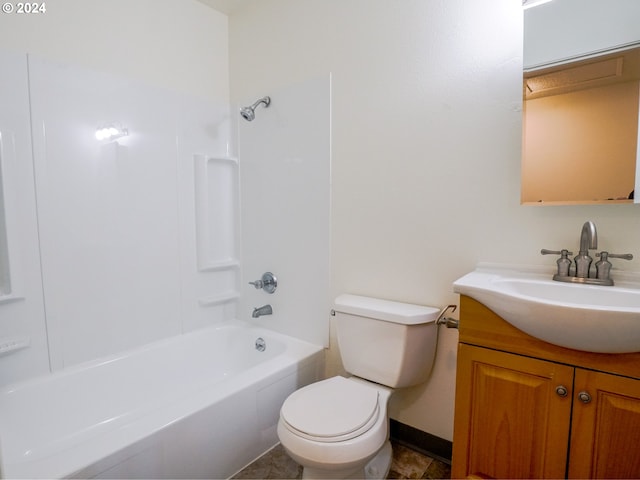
{"points": [[583, 317]]}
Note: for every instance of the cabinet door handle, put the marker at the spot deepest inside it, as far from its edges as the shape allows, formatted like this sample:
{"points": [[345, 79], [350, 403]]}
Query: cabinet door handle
{"points": [[584, 397], [562, 391]]}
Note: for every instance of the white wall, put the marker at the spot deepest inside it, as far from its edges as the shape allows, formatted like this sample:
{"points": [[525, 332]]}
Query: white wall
{"points": [[117, 221], [177, 44], [426, 141]]}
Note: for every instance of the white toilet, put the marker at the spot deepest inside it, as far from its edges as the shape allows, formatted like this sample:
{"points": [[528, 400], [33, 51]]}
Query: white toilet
{"points": [[339, 427]]}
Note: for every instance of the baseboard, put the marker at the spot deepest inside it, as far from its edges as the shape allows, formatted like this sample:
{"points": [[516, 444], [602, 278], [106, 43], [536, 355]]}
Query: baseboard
{"points": [[422, 442]]}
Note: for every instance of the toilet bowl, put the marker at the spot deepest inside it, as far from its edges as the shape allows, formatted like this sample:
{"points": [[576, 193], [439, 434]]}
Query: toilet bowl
{"points": [[339, 427], [336, 427]]}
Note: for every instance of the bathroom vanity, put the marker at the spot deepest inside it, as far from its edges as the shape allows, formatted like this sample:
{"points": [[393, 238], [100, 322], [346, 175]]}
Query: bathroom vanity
{"points": [[528, 409]]}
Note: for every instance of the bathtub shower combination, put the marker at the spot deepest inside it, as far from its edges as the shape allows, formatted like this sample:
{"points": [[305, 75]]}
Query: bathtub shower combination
{"points": [[201, 405]]}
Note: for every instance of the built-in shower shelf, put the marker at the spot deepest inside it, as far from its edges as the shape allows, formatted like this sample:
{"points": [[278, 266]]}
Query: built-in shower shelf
{"points": [[220, 265], [226, 159], [9, 345], [216, 189], [10, 298], [219, 299]]}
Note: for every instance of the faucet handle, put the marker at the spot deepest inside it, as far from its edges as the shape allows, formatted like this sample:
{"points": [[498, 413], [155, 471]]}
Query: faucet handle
{"points": [[564, 264], [603, 266], [624, 256], [544, 251], [268, 283]]}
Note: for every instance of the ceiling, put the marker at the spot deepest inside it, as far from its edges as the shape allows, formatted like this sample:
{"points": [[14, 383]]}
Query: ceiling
{"points": [[596, 71]]}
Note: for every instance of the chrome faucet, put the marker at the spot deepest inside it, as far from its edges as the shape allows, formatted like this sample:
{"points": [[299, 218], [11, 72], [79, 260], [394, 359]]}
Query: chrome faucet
{"points": [[268, 283], [582, 261], [588, 240], [264, 310]]}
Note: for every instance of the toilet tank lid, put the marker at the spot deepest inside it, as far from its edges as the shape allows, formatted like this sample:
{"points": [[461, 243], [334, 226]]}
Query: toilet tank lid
{"points": [[387, 310]]}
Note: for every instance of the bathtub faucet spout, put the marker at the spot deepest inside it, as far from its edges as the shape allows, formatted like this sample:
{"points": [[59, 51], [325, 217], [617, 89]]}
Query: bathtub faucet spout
{"points": [[264, 310]]}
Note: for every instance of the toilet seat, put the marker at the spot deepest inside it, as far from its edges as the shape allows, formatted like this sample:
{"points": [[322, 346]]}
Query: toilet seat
{"points": [[333, 410]]}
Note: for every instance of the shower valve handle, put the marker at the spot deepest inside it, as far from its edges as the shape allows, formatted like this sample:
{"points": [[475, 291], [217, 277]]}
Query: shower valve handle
{"points": [[268, 283]]}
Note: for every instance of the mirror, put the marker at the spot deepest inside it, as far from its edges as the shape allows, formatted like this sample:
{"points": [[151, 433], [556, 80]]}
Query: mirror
{"points": [[581, 98]]}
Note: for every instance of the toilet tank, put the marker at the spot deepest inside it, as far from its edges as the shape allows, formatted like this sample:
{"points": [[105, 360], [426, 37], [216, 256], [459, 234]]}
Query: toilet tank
{"points": [[387, 342]]}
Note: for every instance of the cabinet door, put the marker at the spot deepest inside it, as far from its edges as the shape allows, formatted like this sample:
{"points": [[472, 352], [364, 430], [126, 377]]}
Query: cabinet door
{"points": [[509, 420], [605, 432]]}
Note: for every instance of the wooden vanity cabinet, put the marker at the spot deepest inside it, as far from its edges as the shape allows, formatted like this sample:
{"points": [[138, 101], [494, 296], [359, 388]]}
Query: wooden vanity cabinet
{"points": [[605, 432], [529, 409]]}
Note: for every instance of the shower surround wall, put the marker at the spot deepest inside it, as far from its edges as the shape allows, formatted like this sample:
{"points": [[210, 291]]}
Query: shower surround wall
{"points": [[117, 220], [139, 239], [186, 67], [285, 189], [21, 305]]}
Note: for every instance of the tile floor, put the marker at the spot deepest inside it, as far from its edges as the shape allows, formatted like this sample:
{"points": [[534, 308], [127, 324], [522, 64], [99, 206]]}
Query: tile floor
{"points": [[407, 463]]}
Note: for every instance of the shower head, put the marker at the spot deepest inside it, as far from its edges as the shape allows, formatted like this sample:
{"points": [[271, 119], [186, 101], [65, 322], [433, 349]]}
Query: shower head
{"points": [[248, 113]]}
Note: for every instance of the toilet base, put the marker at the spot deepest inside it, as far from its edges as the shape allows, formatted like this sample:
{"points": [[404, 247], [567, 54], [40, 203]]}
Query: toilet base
{"points": [[377, 468]]}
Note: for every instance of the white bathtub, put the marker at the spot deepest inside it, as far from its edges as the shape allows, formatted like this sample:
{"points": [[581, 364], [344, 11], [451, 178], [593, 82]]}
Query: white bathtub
{"points": [[200, 405]]}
